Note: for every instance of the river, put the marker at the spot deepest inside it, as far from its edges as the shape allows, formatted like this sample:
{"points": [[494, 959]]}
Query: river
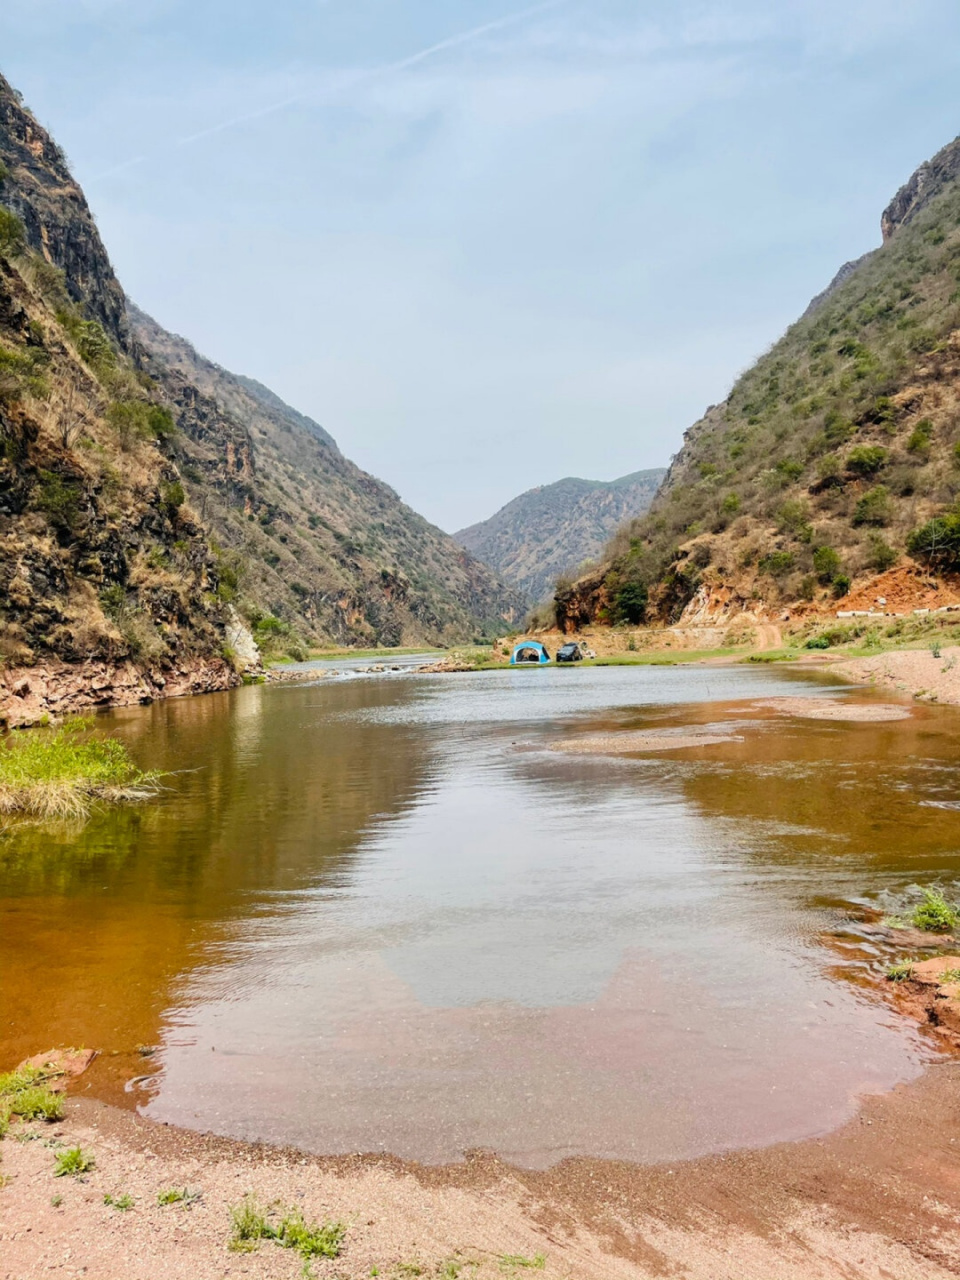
{"points": [[384, 913]]}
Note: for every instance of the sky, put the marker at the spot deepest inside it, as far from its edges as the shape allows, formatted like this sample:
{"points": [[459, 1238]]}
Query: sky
{"points": [[487, 245]]}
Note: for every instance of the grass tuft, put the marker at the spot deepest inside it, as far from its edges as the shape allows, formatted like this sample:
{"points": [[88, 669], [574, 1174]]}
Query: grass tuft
{"points": [[248, 1226], [73, 1163], [900, 972], [935, 914], [177, 1195], [23, 1093], [311, 1240], [63, 773], [123, 1202], [536, 1263], [950, 976]]}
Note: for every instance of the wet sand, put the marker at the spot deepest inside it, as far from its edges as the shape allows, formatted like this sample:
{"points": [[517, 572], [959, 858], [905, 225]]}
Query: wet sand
{"points": [[879, 1198]]}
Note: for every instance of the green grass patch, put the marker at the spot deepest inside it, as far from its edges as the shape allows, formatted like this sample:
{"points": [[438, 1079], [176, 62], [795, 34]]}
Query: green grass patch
{"points": [[900, 972], [536, 1263], [26, 1095], [934, 914], [73, 1163], [950, 976], [63, 773], [250, 1224]]}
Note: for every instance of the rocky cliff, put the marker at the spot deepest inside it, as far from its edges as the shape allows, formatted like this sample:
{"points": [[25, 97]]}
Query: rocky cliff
{"points": [[146, 493], [835, 459], [553, 529]]}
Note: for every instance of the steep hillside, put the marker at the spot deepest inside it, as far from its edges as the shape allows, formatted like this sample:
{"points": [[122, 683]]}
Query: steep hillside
{"points": [[553, 529], [146, 493], [306, 536], [835, 459]]}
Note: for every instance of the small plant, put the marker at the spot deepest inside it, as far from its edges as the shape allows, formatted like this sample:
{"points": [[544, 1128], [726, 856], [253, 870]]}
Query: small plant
{"points": [[536, 1263], [56, 1200], [311, 1240], [935, 648], [875, 507], [950, 976], [177, 1195], [249, 1226], [935, 914], [123, 1203], [840, 586], [900, 972], [73, 1163]]}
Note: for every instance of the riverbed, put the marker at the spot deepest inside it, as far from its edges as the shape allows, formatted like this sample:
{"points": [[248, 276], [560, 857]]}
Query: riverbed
{"points": [[391, 913]]}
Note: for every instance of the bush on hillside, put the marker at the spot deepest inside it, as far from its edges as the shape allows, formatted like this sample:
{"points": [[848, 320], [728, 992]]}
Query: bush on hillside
{"points": [[866, 459], [826, 564], [938, 541], [875, 507], [12, 234]]}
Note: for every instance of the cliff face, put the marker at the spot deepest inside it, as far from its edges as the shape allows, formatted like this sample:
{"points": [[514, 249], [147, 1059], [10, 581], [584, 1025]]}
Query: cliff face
{"points": [[144, 491], [836, 458], [553, 529]]}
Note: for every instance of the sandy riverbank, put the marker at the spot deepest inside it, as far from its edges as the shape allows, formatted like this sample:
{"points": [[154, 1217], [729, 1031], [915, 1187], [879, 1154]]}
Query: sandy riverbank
{"points": [[878, 1198], [913, 671]]}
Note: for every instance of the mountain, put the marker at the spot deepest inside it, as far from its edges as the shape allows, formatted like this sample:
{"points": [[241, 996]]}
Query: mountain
{"points": [[832, 471], [147, 495], [553, 529]]}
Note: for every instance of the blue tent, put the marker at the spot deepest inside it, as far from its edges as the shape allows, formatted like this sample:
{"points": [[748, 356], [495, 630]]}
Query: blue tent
{"points": [[529, 652]]}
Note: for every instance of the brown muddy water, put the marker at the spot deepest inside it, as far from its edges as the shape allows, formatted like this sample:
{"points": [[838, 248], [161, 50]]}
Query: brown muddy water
{"points": [[385, 913]]}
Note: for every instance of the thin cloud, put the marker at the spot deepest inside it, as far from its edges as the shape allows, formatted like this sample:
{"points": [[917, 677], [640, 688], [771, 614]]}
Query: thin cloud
{"points": [[390, 68]]}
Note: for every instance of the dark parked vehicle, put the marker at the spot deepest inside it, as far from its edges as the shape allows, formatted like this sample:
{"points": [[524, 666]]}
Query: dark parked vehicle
{"points": [[569, 653]]}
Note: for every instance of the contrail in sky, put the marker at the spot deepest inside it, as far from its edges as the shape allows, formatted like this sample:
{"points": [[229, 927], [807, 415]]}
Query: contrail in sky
{"points": [[451, 42]]}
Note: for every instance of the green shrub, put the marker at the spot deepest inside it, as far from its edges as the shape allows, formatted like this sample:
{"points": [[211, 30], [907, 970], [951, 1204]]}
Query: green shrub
{"points": [[172, 496], [88, 336], [875, 507], [21, 371], [866, 459], [776, 564], [882, 555], [826, 564], [919, 441], [140, 420], [58, 498], [730, 505], [938, 541], [840, 586], [817, 642], [630, 603], [13, 237]]}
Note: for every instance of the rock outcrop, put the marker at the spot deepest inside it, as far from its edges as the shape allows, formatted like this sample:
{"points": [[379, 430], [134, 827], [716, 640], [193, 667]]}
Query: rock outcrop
{"points": [[149, 499]]}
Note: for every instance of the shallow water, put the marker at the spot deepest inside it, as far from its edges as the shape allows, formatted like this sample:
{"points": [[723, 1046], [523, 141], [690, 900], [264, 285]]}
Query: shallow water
{"points": [[384, 913]]}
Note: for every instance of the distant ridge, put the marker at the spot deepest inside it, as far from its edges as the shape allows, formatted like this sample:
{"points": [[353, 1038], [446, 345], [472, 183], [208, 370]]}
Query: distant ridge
{"points": [[554, 528]]}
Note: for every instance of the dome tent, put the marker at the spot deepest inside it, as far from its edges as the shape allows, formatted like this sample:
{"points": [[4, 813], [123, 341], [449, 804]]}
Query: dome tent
{"points": [[529, 653]]}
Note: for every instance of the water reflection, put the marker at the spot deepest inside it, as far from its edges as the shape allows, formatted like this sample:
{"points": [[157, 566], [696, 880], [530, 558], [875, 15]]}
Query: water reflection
{"points": [[385, 914]]}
